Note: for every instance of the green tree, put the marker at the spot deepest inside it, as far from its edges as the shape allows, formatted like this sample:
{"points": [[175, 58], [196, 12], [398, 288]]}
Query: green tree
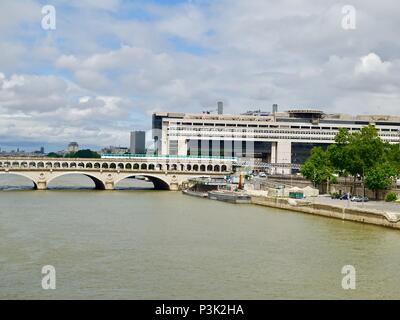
{"points": [[356, 152], [318, 167], [392, 155], [87, 153], [364, 150], [361, 154], [54, 155], [380, 177]]}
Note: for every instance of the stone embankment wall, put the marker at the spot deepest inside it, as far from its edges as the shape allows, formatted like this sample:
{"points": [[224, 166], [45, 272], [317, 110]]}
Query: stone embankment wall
{"points": [[342, 186], [362, 215]]}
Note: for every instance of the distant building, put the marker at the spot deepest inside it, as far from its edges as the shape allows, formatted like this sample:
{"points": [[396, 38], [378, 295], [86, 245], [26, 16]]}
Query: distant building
{"points": [[114, 150], [138, 142], [73, 147]]}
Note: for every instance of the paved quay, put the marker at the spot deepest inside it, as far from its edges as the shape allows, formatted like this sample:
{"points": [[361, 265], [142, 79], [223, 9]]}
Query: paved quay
{"points": [[388, 207], [377, 213]]}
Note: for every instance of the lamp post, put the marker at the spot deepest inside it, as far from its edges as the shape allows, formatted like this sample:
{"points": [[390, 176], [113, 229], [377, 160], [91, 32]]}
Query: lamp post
{"points": [[363, 186]]}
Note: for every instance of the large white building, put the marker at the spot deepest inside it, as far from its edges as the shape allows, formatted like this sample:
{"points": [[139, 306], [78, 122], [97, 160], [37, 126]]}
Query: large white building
{"points": [[273, 137]]}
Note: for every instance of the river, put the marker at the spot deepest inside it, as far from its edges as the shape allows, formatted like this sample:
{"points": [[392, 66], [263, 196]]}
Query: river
{"points": [[137, 243]]}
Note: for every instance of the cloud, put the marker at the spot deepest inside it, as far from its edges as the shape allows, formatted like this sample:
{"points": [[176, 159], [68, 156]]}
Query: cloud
{"points": [[111, 63], [372, 63]]}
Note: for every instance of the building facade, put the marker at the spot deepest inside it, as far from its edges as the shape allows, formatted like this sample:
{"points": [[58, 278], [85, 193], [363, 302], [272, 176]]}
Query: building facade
{"points": [[138, 142], [271, 137]]}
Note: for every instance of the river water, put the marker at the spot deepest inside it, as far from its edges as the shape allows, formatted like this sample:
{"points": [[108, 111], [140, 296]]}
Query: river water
{"points": [[145, 244]]}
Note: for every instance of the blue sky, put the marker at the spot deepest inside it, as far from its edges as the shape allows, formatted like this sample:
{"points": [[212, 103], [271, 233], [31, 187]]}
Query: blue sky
{"points": [[111, 63]]}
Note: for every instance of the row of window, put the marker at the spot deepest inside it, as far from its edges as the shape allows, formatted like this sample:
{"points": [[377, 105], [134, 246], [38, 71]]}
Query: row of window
{"points": [[288, 130], [186, 125]]}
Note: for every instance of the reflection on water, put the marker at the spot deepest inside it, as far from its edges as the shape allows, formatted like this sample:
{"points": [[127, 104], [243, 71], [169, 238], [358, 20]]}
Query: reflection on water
{"points": [[143, 244]]}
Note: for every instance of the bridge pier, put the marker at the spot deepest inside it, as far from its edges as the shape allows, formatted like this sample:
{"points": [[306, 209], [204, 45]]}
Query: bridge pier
{"points": [[41, 185], [174, 187], [108, 185]]}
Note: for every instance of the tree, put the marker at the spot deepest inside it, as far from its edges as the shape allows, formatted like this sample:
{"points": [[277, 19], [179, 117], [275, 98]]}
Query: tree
{"points": [[318, 167], [356, 152], [54, 155], [380, 176], [87, 153], [392, 155], [365, 149], [361, 154]]}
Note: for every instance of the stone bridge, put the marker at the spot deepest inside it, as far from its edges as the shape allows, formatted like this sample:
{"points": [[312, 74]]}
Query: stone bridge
{"points": [[165, 173]]}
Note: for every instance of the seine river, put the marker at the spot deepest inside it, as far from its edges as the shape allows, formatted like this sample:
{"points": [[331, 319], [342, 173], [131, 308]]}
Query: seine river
{"points": [[145, 244]]}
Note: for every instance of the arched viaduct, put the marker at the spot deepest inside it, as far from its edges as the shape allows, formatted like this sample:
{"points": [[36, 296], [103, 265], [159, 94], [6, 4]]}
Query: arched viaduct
{"points": [[106, 173]]}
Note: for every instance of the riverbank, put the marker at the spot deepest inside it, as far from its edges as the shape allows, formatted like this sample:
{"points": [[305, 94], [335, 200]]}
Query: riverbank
{"points": [[339, 211], [376, 213]]}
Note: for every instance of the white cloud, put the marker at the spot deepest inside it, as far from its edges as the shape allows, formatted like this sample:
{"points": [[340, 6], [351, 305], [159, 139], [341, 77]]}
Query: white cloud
{"points": [[97, 76], [372, 63]]}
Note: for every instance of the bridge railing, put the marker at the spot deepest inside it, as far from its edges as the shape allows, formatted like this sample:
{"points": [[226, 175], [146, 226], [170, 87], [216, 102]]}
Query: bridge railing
{"points": [[268, 165]]}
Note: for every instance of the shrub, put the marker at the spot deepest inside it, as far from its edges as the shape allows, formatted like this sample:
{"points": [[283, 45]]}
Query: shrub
{"points": [[335, 195], [390, 197]]}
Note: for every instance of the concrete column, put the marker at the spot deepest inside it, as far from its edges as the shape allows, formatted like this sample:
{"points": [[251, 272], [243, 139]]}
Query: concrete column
{"points": [[273, 152], [182, 147], [284, 155]]}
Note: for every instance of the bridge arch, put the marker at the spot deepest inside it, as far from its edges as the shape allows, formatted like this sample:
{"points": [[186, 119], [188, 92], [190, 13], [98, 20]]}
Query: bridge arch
{"points": [[159, 183], [21, 175], [97, 182]]}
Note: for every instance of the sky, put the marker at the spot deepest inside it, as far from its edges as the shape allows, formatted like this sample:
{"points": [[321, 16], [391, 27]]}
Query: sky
{"points": [[109, 64]]}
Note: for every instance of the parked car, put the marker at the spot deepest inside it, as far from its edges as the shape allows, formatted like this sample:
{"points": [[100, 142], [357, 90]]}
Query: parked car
{"points": [[335, 196], [359, 199], [262, 175]]}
